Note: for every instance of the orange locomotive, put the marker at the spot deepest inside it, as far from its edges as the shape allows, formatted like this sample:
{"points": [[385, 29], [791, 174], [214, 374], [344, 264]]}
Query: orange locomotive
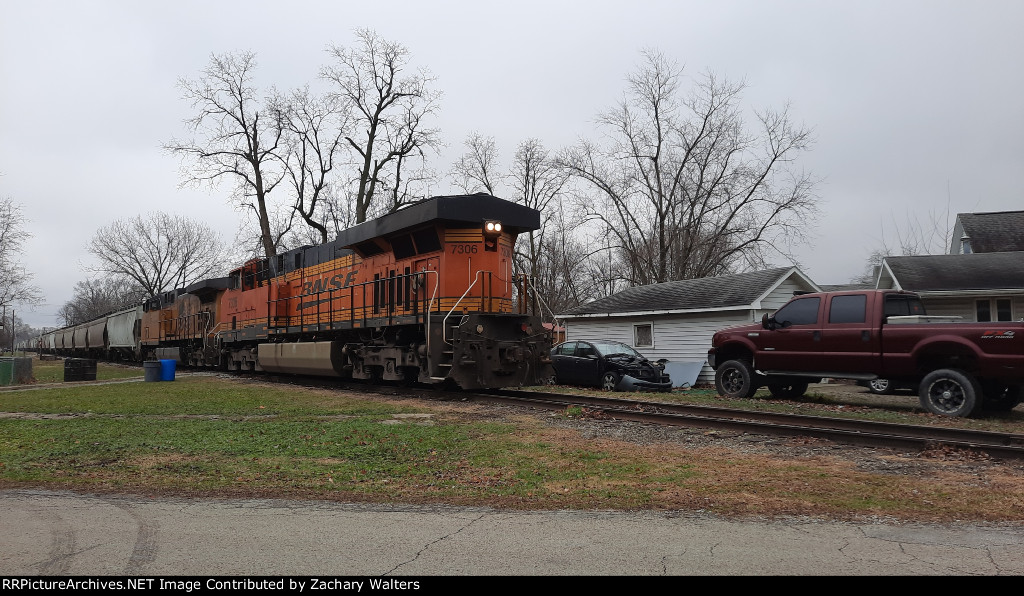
{"points": [[424, 294]]}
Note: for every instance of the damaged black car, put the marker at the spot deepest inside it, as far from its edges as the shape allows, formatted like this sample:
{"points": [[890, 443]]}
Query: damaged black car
{"points": [[609, 365]]}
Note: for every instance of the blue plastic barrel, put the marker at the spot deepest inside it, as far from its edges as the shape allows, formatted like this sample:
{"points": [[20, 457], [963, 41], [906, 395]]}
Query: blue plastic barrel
{"points": [[167, 369]]}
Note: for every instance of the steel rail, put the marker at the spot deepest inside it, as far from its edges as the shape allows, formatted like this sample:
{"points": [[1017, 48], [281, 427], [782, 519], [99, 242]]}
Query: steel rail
{"points": [[861, 432]]}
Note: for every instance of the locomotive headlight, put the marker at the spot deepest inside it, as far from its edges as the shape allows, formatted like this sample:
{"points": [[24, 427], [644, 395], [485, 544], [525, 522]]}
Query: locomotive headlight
{"points": [[492, 227]]}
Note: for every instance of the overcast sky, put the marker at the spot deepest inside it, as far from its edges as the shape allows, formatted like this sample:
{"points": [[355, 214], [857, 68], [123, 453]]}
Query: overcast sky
{"points": [[915, 105]]}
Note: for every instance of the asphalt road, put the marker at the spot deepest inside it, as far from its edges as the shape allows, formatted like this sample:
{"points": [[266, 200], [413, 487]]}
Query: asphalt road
{"points": [[61, 533]]}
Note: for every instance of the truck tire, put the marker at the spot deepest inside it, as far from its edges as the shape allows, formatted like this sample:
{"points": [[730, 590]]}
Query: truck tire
{"points": [[788, 389], [950, 392], [736, 379]]}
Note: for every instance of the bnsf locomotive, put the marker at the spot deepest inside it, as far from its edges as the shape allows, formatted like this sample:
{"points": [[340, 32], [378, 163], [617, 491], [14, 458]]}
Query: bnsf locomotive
{"points": [[424, 294]]}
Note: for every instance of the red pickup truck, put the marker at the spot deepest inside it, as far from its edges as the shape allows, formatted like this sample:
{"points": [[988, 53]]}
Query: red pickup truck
{"points": [[872, 334]]}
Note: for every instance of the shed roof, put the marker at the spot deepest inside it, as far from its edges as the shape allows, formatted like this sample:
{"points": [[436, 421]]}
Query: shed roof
{"points": [[978, 271], [704, 294], [998, 231]]}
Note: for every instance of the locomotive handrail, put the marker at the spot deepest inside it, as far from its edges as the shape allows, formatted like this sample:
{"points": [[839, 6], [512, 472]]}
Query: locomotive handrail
{"points": [[554, 317], [430, 305], [444, 330]]}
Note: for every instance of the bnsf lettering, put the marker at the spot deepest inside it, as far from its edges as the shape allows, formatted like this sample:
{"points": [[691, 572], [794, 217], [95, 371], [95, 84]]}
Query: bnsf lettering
{"points": [[337, 282]]}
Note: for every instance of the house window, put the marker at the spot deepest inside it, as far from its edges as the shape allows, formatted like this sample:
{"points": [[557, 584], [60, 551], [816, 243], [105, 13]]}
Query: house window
{"points": [[1002, 307], [1003, 310], [643, 335]]}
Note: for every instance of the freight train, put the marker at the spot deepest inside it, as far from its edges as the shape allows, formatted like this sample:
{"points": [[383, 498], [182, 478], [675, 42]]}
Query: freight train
{"points": [[425, 294]]}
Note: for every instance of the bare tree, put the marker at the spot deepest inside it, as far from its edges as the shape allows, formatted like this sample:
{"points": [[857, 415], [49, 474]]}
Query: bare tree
{"points": [[566, 271], [475, 170], [314, 135], [158, 253], [919, 234], [389, 113], [16, 333], [98, 296], [684, 189], [536, 182], [15, 281], [238, 138]]}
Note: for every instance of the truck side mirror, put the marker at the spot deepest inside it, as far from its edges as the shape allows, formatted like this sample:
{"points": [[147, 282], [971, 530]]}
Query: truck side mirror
{"points": [[766, 322]]}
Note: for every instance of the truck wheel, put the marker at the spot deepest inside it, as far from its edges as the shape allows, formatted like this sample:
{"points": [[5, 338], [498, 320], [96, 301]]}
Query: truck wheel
{"points": [[790, 390], [1000, 397], [880, 386], [950, 392], [735, 378]]}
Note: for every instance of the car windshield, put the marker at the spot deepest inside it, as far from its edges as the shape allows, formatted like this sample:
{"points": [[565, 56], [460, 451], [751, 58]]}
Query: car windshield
{"points": [[611, 349]]}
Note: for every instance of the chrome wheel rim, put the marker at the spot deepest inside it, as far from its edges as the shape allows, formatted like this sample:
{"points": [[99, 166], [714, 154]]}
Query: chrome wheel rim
{"points": [[880, 384], [609, 382]]}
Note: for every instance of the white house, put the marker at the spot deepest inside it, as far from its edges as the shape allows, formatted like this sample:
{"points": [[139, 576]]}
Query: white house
{"points": [[982, 277], [676, 320], [976, 286]]}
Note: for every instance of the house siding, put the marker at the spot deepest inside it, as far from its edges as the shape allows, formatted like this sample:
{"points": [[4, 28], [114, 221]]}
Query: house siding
{"points": [[949, 307], [782, 294], [966, 306]]}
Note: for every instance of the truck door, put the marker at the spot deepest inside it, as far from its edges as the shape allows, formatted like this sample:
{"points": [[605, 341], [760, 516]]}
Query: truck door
{"points": [[850, 341], [795, 342]]}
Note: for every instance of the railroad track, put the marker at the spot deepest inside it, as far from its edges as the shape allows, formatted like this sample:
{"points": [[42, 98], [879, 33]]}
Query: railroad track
{"points": [[840, 430], [858, 432]]}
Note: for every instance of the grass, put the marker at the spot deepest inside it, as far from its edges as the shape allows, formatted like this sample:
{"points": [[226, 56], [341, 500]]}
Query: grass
{"points": [[208, 435], [52, 371]]}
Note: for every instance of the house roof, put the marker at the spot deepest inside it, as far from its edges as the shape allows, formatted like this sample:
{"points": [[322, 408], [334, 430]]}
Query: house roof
{"points": [[978, 271], [705, 294], [846, 287], [999, 231]]}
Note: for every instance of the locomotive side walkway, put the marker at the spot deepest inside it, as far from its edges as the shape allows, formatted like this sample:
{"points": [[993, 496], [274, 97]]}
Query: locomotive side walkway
{"points": [[63, 533]]}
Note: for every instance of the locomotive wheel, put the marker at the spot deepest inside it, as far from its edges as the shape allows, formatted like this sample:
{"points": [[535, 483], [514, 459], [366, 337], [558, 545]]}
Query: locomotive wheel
{"points": [[790, 390], [950, 392], [610, 381], [735, 378]]}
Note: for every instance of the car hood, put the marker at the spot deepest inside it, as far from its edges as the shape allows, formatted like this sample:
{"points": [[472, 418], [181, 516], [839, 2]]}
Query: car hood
{"points": [[633, 361]]}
